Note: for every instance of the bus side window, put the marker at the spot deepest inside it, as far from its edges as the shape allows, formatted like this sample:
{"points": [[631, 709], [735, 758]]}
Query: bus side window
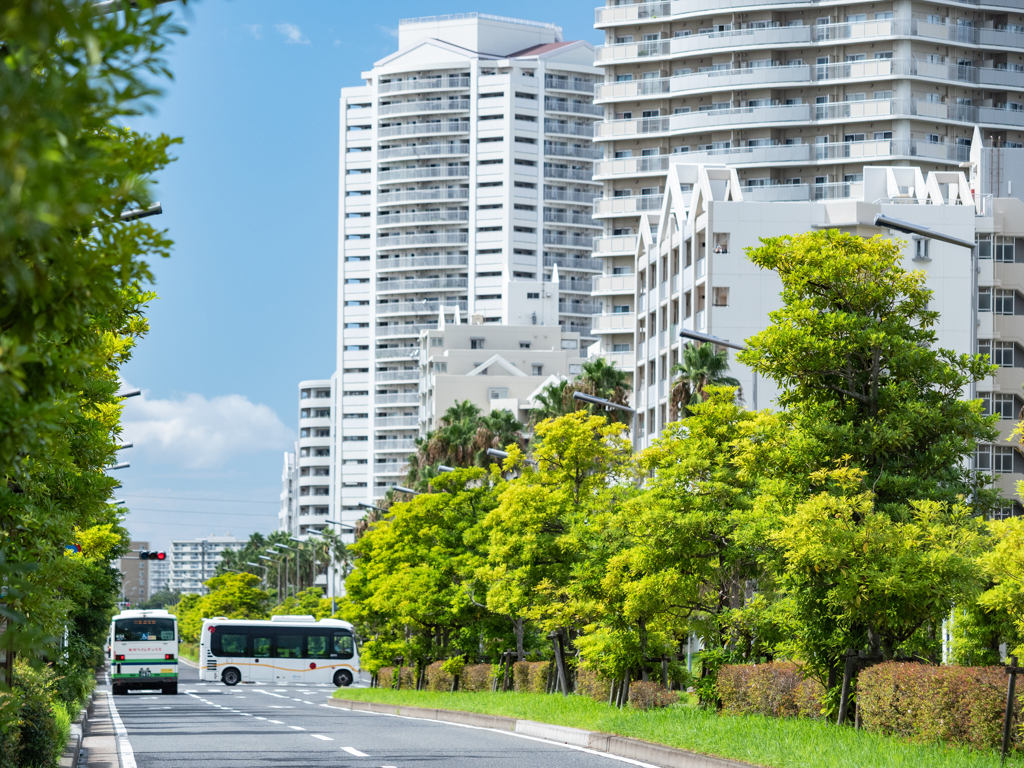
{"points": [[233, 643], [288, 646], [316, 646], [342, 647], [260, 647]]}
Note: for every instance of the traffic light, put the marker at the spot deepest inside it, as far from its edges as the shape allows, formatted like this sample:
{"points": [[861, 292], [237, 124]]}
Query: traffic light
{"points": [[145, 554]]}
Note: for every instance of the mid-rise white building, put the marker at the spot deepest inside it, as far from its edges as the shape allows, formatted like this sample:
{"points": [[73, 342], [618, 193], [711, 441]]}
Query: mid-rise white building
{"points": [[465, 190], [796, 97], [159, 576], [692, 273], [195, 561], [496, 367]]}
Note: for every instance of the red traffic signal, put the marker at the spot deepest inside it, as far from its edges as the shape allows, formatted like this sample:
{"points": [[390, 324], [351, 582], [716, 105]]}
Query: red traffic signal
{"points": [[145, 554]]}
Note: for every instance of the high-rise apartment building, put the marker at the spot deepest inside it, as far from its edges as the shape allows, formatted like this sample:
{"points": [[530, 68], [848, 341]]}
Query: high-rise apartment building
{"points": [[307, 478], [195, 561], [134, 575], [466, 179], [797, 97]]}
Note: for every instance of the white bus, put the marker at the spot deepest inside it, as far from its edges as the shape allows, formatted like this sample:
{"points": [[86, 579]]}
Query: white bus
{"points": [[286, 649], [143, 651]]}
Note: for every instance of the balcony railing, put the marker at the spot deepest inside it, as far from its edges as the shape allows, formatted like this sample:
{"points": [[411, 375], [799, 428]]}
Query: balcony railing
{"points": [[394, 445], [566, 150], [420, 217], [449, 105], [424, 150], [567, 84], [614, 244], [424, 84], [575, 107], [400, 469], [422, 262], [428, 284], [417, 307], [632, 165], [381, 376], [396, 422], [414, 241], [416, 129], [576, 286], [434, 172], [572, 174], [578, 307], [585, 130], [569, 196], [611, 284], [407, 329], [568, 262], [397, 353], [407, 398], [571, 241], [604, 206], [616, 322], [419, 195], [565, 217]]}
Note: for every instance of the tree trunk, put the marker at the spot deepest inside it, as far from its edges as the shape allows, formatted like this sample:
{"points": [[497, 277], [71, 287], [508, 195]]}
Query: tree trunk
{"points": [[520, 653]]}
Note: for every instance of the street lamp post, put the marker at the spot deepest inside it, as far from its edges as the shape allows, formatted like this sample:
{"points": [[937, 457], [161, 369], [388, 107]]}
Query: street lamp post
{"points": [[408, 491], [899, 225], [291, 549], [265, 569], [298, 561], [278, 563], [585, 398]]}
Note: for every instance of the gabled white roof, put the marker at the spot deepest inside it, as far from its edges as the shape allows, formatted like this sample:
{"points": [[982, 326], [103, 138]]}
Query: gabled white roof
{"points": [[495, 360]]}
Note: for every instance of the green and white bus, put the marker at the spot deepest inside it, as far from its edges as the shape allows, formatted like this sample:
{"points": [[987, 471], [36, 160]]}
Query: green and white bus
{"points": [[144, 651], [286, 649]]}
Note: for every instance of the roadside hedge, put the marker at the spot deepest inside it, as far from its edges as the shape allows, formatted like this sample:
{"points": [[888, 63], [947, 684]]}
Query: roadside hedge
{"points": [[531, 676], [39, 741], [964, 705], [777, 689]]}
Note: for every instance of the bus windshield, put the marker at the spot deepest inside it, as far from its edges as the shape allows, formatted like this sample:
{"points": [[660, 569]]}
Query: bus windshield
{"points": [[132, 630]]}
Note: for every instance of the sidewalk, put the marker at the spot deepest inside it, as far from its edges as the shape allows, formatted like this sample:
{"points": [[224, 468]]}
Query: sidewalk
{"points": [[100, 742]]}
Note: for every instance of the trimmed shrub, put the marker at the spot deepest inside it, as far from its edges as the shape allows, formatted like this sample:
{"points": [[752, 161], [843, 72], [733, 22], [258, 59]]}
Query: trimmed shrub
{"points": [[964, 705], [477, 677], [777, 689], [530, 676], [649, 695], [386, 677], [10, 732], [588, 683], [437, 678], [40, 736]]}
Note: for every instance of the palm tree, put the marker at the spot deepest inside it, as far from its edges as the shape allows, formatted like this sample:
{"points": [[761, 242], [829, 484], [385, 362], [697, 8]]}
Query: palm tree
{"points": [[603, 379], [553, 401], [701, 366], [499, 430]]}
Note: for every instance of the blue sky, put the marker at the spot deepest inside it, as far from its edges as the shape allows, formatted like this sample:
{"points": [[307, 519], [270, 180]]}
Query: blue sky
{"points": [[248, 298]]}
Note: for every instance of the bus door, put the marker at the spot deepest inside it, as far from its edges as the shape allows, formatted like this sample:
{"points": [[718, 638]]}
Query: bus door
{"points": [[288, 650], [262, 667], [317, 645]]}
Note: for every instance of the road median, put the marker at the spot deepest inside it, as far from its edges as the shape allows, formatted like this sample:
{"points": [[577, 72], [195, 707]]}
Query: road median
{"points": [[621, 746]]}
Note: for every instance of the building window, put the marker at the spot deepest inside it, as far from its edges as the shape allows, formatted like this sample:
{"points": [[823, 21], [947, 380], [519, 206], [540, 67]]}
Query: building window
{"points": [[497, 394], [621, 348], [1003, 302], [538, 370], [921, 249], [476, 343], [533, 295], [721, 297], [569, 344], [984, 299], [524, 345]]}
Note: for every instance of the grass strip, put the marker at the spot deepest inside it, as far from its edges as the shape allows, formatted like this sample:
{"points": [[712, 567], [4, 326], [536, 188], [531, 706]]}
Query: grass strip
{"points": [[189, 651], [764, 741]]}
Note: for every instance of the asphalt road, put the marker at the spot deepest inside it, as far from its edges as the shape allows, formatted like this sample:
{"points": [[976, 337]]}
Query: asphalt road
{"points": [[271, 726]]}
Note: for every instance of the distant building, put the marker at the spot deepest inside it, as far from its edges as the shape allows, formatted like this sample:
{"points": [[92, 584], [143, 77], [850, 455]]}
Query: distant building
{"points": [[193, 562], [307, 487], [159, 576], [497, 367], [134, 575]]}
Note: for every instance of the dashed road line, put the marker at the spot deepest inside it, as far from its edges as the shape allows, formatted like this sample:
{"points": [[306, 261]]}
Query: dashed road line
{"points": [[322, 738], [355, 752], [296, 728], [276, 722]]}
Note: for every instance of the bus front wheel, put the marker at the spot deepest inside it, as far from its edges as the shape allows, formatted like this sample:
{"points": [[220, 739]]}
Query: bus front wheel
{"points": [[342, 678], [231, 676]]}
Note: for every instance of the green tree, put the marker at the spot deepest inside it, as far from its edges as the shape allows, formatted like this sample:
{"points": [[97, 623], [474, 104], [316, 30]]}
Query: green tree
{"points": [[701, 366], [233, 596], [553, 401], [884, 442]]}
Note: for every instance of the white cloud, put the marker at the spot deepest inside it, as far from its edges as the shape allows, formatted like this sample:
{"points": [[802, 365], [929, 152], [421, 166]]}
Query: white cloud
{"points": [[256, 30], [392, 31], [194, 432], [292, 34]]}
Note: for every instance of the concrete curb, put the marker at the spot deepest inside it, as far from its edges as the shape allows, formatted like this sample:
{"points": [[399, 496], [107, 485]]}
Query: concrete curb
{"points": [[620, 746]]}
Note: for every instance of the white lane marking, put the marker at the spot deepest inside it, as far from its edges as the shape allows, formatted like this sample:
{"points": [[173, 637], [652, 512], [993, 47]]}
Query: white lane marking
{"points": [[616, 758], [124, 747], [277, 722], [328, 706], [296, 728], [278, 706], [259, 718], [354, 751], [322, 738]]}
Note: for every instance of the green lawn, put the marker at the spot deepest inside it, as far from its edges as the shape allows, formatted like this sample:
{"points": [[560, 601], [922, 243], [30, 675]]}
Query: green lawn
{"points": [[779, 743]]}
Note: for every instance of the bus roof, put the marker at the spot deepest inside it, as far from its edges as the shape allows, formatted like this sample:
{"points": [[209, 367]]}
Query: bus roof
{"points": [[155, 613], [295, 622]]}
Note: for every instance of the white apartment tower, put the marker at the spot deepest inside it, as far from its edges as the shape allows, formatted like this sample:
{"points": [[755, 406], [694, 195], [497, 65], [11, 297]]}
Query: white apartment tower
{"points": [[797, 97], [465, 193], [307, 478]]}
